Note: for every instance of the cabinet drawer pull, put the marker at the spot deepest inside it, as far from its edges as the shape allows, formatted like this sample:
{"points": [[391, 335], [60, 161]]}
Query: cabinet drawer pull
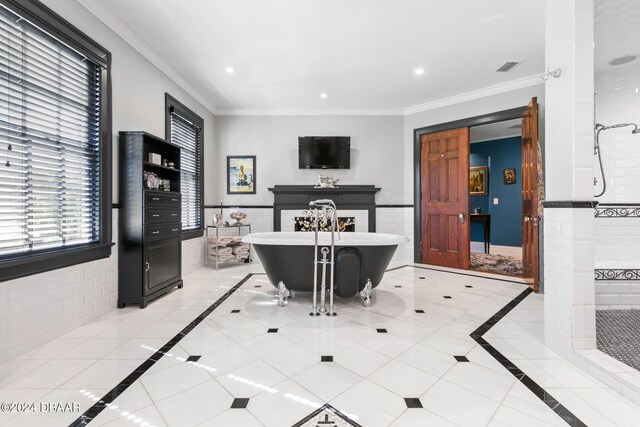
{"points": [[174, 200], [174, 214], [155, 215], [157, 199], [156, 232], [146, 266], [174, 229]]}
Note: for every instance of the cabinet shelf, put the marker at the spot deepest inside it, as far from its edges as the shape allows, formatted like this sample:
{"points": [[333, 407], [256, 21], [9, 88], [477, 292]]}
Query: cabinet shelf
{"points": [[160, 167]]}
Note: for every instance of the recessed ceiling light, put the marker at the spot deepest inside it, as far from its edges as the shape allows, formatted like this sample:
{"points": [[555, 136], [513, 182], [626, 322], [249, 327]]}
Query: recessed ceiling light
{"points": [[623, 60], [229, 70], [418, 71], [323, 95]]}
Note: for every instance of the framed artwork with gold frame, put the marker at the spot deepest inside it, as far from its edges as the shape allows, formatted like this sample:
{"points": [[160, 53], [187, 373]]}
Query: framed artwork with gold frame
{"points": [[478, 180]]}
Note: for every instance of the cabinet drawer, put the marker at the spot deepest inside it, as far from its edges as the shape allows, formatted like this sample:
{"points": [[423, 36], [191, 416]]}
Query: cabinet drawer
{"points": [[161, 231], [156, 215], [168, 199]]}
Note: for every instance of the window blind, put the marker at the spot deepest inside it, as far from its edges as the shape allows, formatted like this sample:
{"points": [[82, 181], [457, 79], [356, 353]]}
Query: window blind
{"points": [[49, 141], [187, 136]]}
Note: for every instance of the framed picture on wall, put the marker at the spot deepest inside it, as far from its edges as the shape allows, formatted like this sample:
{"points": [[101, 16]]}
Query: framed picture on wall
{"points": [[241, 174], [478, 176], [509, 176]]}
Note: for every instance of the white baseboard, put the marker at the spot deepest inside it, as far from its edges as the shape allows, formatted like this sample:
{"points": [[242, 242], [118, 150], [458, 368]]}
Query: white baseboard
{"points": [[514, 251]]}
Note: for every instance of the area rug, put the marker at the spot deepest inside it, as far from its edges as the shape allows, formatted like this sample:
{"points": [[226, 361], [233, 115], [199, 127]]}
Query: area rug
{"points": [[498, 264]]}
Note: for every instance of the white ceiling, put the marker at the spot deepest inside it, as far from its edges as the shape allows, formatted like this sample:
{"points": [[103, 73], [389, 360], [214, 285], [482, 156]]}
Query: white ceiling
{"points": [[362, 53], [617, 31], [495, 131]]}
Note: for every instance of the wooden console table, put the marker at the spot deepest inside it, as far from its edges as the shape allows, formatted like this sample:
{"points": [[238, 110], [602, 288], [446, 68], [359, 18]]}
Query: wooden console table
{"points": [[345, 197], [485, 219]]}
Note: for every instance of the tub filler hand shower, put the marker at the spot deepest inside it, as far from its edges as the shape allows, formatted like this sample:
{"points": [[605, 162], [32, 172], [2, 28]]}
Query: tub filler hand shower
{"points": [[328, 209]]}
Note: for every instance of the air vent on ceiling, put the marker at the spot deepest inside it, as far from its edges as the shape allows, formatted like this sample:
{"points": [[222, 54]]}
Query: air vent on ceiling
{"points": [[507, 66]]}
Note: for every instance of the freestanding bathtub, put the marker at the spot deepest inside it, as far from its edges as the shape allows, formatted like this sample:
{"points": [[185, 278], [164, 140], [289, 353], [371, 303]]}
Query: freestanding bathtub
{"points": [[287, 257]]}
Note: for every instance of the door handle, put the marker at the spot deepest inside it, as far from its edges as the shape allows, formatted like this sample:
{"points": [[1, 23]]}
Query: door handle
{"points": [[146, 266], [461, 217], [527, 218]]}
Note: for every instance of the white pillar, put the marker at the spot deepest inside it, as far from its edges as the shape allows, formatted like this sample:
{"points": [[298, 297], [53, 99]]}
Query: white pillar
{"points": [[568, 226]]}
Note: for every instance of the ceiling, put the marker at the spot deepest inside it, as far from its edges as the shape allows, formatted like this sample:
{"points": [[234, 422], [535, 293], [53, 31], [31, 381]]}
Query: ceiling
{"points": [[495, 131], [361, 53], [617, 31]]}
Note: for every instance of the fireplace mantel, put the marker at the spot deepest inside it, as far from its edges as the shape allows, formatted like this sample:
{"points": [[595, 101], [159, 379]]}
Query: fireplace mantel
{"points": [[352, 197]]}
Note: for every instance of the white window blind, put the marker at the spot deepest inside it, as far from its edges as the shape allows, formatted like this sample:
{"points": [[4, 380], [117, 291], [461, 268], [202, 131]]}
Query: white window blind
{"points": [[49, 141], [188, 137]]}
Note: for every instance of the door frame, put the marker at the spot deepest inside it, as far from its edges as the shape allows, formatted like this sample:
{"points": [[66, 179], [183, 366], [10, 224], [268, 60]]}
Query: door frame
{"points": [[499, 116]]}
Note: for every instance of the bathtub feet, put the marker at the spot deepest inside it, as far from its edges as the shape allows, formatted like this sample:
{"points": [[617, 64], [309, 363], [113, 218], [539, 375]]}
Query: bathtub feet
{"points": [[283, 294], [365, 293]]}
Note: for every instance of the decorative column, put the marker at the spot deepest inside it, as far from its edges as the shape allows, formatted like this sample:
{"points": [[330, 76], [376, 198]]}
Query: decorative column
{"points": [[569, 215]]}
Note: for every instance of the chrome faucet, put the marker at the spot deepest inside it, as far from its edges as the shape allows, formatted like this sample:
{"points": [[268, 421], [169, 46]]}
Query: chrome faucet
{"points": [[328, 207]]}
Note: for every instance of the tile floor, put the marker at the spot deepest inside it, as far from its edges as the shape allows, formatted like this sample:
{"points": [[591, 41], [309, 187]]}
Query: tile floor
{"points": [[618, 335], [221, 353]]}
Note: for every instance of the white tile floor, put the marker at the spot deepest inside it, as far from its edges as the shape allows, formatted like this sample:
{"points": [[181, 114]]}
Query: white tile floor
{"points": [[282, 375]]}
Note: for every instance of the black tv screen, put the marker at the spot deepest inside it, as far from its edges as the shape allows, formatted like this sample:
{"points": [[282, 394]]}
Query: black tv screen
{"points": [[324, 152]]}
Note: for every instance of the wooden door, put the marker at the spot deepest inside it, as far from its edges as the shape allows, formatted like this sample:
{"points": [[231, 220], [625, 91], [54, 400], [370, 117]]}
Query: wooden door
{"points": [[530, 264], [445, 198]]}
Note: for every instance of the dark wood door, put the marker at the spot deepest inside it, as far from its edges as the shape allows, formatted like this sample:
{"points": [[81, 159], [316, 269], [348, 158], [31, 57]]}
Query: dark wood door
{"points": [[445, 198], [530, 219]]}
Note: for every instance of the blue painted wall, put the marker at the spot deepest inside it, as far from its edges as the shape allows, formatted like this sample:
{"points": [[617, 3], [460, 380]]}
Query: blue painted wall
{"points": [[506, 217]]}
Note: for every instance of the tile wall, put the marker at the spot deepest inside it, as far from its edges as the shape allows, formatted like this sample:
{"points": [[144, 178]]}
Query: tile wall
{"points": [[617, 240]]}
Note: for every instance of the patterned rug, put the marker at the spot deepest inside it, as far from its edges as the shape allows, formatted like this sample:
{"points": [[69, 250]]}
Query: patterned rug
{"points": [[497, 264]]}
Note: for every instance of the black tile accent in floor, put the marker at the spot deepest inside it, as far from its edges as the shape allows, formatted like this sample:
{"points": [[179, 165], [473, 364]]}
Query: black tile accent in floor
{"points": [[193, 358], [113, 394], [326, 358], [618, 335], [397, 286], [235, 311], [272, 331], [461, 358], [381, 331], [566, 415], [421, 278], [239, 403], [257, 286], [412, 402], [420, 311], [468, 286], [447, 297]]}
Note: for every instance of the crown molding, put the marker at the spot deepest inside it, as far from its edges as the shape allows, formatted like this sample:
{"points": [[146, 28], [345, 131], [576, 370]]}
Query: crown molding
{"points": [[126, 33], [305, 112], [476, 94]]}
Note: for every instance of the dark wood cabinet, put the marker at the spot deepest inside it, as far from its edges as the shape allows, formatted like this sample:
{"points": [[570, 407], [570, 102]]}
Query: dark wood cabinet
{"points": [[149, 247]]}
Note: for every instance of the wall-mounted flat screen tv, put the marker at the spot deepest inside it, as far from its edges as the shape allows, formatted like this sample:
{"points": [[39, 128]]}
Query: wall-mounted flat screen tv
{"points": [[324, 152]]}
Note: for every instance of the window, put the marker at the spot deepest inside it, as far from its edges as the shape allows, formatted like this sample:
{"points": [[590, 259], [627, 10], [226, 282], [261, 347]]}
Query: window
{"points": [[184, 128], [55, 171]]}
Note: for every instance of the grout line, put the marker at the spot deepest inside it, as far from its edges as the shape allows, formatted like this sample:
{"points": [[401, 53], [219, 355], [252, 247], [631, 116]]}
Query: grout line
{"points": [[112, 395]]}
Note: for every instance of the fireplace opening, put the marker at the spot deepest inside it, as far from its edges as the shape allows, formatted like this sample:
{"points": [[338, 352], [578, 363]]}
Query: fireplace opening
{"points": [[305, 223]]}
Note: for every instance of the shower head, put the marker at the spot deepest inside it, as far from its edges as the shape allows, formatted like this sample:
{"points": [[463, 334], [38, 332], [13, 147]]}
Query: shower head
{"points": [[600, 127]]}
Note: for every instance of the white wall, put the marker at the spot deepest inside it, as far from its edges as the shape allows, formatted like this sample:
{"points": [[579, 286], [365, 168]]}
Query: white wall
{"points": [[36, 309], [376, 153], [617, 240]]}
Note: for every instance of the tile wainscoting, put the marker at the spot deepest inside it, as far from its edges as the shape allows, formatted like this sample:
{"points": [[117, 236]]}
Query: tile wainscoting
{"points": [[39, 308], [617, 251]]}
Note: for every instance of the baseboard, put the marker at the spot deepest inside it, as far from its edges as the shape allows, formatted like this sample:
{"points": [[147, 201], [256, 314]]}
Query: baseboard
{"points": [[513, 251]]}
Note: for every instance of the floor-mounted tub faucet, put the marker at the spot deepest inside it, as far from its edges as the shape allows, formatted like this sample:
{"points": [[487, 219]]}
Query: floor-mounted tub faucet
{"points": [[328, 208]]}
